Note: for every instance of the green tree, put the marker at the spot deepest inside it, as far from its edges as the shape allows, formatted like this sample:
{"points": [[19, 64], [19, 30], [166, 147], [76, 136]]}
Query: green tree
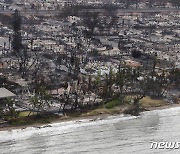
{"points": [[174, 77], [10, 104], [41, 100], [109, 81], [121, 80]]}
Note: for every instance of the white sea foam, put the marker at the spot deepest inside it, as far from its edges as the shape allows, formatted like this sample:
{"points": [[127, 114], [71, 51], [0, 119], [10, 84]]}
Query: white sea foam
{"points": [[65, 127], [62, 127], [120, 134]]}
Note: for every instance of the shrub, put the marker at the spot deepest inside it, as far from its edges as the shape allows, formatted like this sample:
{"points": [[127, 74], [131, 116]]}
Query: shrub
{"points": [[112, 104], [18, 122]]}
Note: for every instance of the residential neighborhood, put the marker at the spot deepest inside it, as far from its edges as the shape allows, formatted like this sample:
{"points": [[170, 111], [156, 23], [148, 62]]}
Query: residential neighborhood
{"points": [[67, 48], [63, 59]]}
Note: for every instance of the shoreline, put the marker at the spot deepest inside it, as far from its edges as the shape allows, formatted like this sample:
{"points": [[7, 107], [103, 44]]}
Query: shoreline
{"points": [[82, 117], [58, 120]]}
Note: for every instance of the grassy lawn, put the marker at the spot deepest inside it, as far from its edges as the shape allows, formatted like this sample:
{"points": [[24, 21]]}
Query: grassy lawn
{"points": [[98, 111], [149, 102], [33, 119], [111, 104], [115, 106], [26, 113], [110, 107]]}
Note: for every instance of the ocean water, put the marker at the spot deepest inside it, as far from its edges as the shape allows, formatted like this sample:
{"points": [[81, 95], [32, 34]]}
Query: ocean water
{"points": [[120, 134]]}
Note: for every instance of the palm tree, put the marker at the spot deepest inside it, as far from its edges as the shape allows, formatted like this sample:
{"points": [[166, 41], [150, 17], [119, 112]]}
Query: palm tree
{"points": [[40, 100], [10, 104]]}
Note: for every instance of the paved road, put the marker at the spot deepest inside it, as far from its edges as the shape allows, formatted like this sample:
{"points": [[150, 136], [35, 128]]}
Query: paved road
{"points": [[56, 12], [33, 12]]}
